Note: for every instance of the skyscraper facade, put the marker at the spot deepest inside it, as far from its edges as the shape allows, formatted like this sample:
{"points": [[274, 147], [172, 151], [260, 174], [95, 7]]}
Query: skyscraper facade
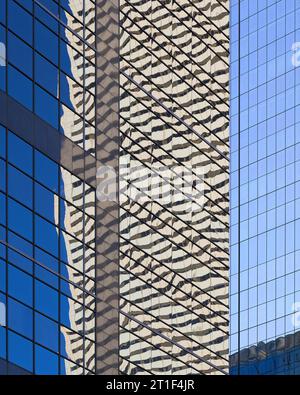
{"points": [[114, 187], [47, 204], [265, 224], [174, 184]]}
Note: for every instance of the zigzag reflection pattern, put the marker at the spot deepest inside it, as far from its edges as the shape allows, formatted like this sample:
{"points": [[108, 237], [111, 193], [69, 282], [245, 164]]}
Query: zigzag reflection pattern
{"points": [[174, 253]]}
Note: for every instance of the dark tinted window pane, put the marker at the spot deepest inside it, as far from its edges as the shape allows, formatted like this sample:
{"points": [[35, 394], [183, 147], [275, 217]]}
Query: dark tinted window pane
{"points": [[16, 254], [20, 351], [19, 219], [46, 300], [2, 276], [20, 21], [19, 153], [2, 142], [42, 36], [45, 17], [46, 74], [20, 318], [46, 171], [19, 186], [51, 263], [44, 202], [45, 361], [46, 236], [2, 209], [20, 285], [19, 87], [2, 176], [19, 54], [46, 332], [46, 107], [2, 11], [2, 342], [26, 3]]}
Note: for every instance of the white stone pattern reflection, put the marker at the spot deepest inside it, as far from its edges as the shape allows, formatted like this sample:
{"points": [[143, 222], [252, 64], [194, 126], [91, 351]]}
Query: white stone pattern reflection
{"points": [[174, 251], [79, 342]]}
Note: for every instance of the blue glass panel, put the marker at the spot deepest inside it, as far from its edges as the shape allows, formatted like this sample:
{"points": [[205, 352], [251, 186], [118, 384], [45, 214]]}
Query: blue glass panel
{"points": [[20, 186], [20, 351], [20, 21], [19, 87], [46, 74], [46, 332], [20, 285], [19, 219], [19, 153], [46, 106], [20, 318], [46, 236], [46, 300], [20, 54], [42, 36], [46, 171], [45, 361]]}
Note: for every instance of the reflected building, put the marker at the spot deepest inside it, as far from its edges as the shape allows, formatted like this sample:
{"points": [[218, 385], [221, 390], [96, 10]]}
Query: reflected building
{"points": [[134, 283], [174, 183], [280, 356], [265, 114]]}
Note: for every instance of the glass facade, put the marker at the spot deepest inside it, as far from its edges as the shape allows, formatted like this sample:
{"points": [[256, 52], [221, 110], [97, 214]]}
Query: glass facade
{"points": [[265, 186], [47, 266], [174, 186], [137, 283]]}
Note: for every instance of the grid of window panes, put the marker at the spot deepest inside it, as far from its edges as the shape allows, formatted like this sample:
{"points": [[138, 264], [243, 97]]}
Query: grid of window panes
{"points": [[47, 263], [265, 173], [50, 62]]}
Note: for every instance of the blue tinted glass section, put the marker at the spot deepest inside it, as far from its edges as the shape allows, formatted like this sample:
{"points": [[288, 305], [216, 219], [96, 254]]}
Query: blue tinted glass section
{"points": [[46, 332], [2, 176], [17, 181], [46, 300], [46, 171], [20, 318], [19, 87], [49, 243], [44, 202], [20, 285], [46, 74], [3, 11], [20, 54], [2, 209], [2, 275], [20, 21], [19, 219], [46, 362], [46, 106], [2, 142], [20, 351], [42, 36], [20, 153], [18, 244]]}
